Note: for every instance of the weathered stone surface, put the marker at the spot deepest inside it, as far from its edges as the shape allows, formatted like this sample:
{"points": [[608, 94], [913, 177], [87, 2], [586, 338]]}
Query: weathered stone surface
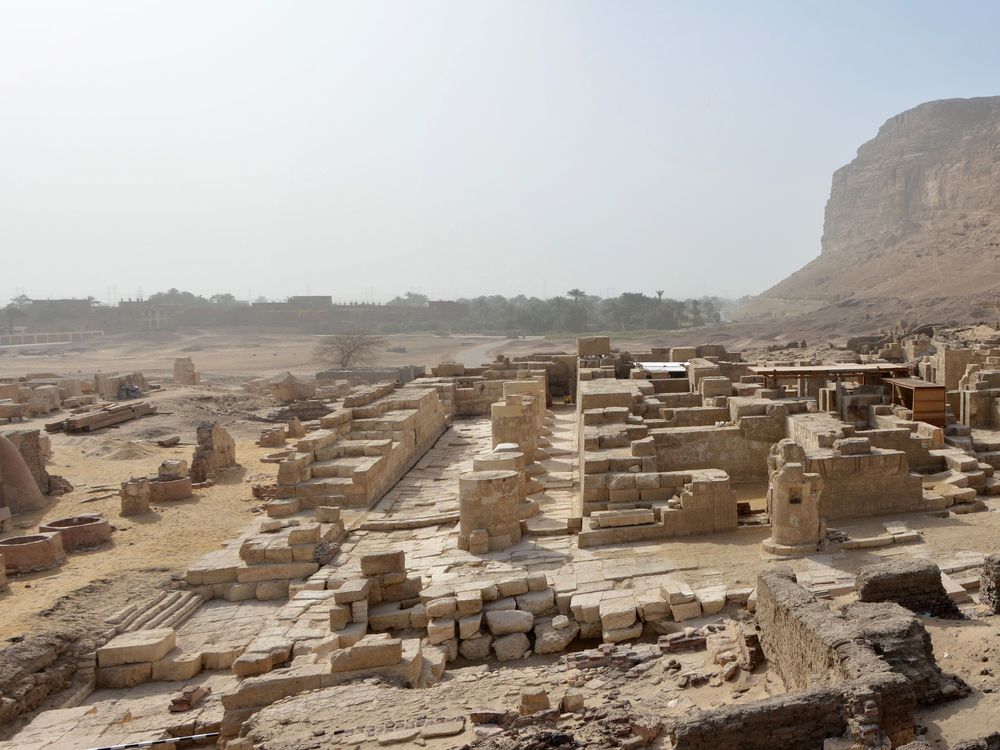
{"points": [[140, 646], [533, 700], [475, 649], [550, 639], [505, 621], [617, 613], [915, 584], [376, 650], [510, 647], [536, 602]]}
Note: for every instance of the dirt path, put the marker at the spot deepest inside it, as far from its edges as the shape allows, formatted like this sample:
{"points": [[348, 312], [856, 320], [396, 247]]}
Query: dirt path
{"points": [[480, 353]]}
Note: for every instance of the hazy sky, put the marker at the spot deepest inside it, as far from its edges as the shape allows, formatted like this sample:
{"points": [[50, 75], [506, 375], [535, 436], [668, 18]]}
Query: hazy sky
{"points": [[362, 149]]}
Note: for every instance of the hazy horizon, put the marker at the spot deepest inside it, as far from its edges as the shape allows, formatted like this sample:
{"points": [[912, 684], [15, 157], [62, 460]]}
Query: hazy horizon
{"points": [[366, 149]]}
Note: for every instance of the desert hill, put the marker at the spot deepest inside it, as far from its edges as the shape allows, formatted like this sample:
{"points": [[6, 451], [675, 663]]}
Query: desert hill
{"points": [[911, 231]]}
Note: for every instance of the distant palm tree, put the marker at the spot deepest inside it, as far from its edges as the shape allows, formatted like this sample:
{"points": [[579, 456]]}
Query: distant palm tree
{"points": [[576, 294], [659, 295]]}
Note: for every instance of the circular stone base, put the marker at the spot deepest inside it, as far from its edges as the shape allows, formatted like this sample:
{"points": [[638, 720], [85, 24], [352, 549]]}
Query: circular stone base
{"points": [[163, 490], [788, 550], [32, 552], [80, 532]]}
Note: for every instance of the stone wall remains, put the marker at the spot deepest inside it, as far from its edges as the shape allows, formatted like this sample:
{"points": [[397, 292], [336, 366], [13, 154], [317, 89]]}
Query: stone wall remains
{"points": [[914, 584]]}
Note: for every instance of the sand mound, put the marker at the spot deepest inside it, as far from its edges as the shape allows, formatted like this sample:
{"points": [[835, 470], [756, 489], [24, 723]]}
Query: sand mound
{"points": [[117, 450]]}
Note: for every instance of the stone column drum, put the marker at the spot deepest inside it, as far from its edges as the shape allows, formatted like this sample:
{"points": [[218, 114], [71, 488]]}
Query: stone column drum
{"points": [[487, 510], [507, 460], [529, 387], [513, 421]]}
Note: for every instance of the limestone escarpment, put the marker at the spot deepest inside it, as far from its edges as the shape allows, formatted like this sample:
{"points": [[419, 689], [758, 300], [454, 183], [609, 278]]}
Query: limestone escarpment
{"points": [[912, 226]]}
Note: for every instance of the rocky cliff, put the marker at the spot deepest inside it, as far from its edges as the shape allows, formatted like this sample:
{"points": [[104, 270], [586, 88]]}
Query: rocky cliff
{"points": [[912, 227]]}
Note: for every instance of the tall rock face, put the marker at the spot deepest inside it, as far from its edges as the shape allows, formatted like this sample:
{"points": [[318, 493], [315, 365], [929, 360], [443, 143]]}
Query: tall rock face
{"points": [[912, 227]]}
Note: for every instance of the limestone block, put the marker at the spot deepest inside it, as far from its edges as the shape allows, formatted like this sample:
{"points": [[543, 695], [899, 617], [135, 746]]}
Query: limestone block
{"points": [[177, 667], [503, 622], [617, 613], [388, 616], [468, 627], [616, 518], [268, 591], [140, 646], [352, 591], [440, 630], [510, 647], [173, 468], [276, 571], [572, 701], [124, 676], [513, 586], [218, 656], [446, 606], [550, 639], [711, 598], [586, 607], [136, 495], [383, 562], [262, 655], [537, 582], [652, 606], [508, 602], [469, 602], [398, 592], [340, 616], [329, 514], [351, 634], [436, 660], [533, 700], [686, 610], [479, 542], [476, 648], [537, 602], [418, 616], [593, 346], [375, 650], [359, 611], [676, 592], [617, 635]]}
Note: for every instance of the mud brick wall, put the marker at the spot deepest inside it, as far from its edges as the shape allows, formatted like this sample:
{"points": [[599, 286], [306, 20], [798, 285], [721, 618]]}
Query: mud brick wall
{"points": [[904, 643], [28, 444], [31, 671], [796, 721], [990, 742], [914, 584], [989, 584], [804, 640]]}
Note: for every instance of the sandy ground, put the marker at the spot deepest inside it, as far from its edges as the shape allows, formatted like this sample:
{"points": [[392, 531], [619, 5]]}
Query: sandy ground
{"points": [[226, 353], [154, 545]]}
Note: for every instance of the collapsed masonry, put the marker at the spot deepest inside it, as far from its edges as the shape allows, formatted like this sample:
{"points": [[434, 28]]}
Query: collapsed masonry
{"points": [[860, 674], [214, 452]]}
